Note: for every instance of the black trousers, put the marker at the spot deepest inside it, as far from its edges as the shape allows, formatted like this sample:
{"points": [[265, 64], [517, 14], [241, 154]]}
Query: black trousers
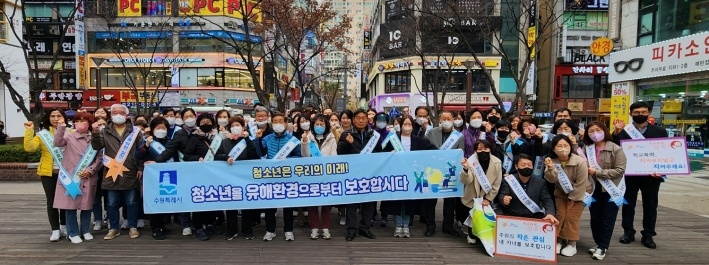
{"points": [[603, 214], [650, 188], [56, 216], [287, 219], [202, 219], [428, 206], [232, 222], [367, 215], [157, 220], [449, 205], [461, 211]]}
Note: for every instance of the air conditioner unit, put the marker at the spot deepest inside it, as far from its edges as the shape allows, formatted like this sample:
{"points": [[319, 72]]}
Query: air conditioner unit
{"points": [[583, 51]]}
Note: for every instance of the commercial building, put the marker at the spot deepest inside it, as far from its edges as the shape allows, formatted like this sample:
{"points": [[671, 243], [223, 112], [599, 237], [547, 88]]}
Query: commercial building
{"points": [[12, 56]]}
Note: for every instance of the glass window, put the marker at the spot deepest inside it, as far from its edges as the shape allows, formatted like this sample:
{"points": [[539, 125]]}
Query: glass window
{"points": [[455, 81], [578, 86], [129, 45], [206, 77], [397, 82], [238, 78], [67, 80], [38, 11], [187, 77], [115, 77], [65, 11]]}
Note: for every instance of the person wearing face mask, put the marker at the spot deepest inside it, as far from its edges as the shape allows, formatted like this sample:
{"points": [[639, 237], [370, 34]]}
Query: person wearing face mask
{"points": [[476, 131], [567, 128], [48, 168], [403, 210], [302, 126], [438, 137], [270, 145], [492, 168], [75, 146], [503, 146], [521, 187], [459, 121], [607, 163], [223, 117], [648, 185], [569, 172], [322, 137], [237, 133], [563, 114], [169, 115], [120, 135], [100, 199], [335, 126], [381, 120], [178, 118], [422, 123], [494, 115]]}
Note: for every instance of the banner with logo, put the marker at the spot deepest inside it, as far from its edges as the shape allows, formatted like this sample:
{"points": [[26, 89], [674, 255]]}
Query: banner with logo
{"points": [[664, 156], [525, 238], [299, 182]]}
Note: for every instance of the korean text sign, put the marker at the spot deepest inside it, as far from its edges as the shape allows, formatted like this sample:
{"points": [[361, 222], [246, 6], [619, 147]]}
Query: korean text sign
{"points": [[298, 182], [525, 238], [664, 156]]}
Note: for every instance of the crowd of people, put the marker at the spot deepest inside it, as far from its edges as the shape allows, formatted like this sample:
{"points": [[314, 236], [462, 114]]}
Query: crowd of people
{"points": [[518, 170]]}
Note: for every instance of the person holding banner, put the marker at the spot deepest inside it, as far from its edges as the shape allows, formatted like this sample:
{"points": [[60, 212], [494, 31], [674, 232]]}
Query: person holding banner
{"points": [[403, 210], [482, 176], [648, 185], [458, 121], [302, 127], [84, 163], [422, 124], [123, 174], [569, 172], [236, 148], [522, 195], [321, 142], [606, 164], [278, 145], [48, 168], [381, 120], [446, 138]]}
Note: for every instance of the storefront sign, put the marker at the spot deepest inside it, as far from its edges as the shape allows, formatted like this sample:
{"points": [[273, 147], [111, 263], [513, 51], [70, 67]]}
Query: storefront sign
{"points": [[198, 101], [80, 46], [620, 101], [155, 60], [604, 105], [46, 64], [397, 100], [525, 238], [200, 7], [396, 65], [671, 107], [586, 20], [208, 34], [129, 8], [239, 61], [108, 98], [238, 8], [543, 115], [169, 98], [601, 47], [575, 106], [459, 98], [50, 95], [677, 122], [663, 156], [69, 65], [394, 10], [40, 47], [367, 40], [587, 4], [242, 101], [593, 70], [678, 56], [396, 37], [145, 99]]}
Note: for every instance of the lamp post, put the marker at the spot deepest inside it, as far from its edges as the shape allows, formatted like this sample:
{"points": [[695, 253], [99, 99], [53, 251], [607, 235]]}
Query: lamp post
{"points": [[98, 61], [468, 84]]}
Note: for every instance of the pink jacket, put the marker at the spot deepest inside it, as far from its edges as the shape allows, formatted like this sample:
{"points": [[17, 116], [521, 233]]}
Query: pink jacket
{"points": [[75, 145]]}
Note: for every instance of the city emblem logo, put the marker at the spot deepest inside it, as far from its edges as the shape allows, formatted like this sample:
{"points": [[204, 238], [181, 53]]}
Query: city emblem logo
{"points": [[168, 182]]}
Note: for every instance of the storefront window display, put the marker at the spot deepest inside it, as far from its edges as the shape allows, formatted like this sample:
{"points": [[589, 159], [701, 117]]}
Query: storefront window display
{"points": [[456, 81], [397, 82], [661, 20]]}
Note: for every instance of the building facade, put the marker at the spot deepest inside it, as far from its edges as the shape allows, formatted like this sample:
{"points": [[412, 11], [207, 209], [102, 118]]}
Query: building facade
{"points": [[11, 54]]}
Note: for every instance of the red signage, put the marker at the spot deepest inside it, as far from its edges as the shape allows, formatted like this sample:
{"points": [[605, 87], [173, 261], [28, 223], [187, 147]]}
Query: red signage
{"points": [[108, 98], [133, 5], [296, 95], [598, 69]]}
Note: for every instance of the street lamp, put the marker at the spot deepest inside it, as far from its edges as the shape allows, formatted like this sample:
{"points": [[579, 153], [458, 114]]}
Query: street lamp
{"points": [[98, 61], [468, 84]]}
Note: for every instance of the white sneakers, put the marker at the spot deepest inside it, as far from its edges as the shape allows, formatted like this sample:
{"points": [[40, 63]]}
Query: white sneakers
{"points": [[599, 254], [558, 248], [263, 216], [399, 232], [295, 213], [289, 236], [568, 251], [62, 230], [88, 236], [97, 226], [472, 241], [593, 249], [124, 225], [56, 235], [141, 224], [269, 236], [186, 231], [343, 220], [314, 234], [75, 239], [326, 234], [406, 232]]}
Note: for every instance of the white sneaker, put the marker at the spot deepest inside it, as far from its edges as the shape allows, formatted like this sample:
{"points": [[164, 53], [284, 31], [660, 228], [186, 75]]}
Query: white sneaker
{"points": [[75, 239], [289, 236], [97, 226], [558, 248], [460, 224], [593, 249], [263, 216], [406, 232], [472, 241], [343, 220], [295, 213], [269, 236], [62, 230], [568, 251], [186, 231], [141, 224], [600, 254], [124, 225], [305, 214], [56, 235], [314, 234], [326, 234], [399, 232], [88, 236]]}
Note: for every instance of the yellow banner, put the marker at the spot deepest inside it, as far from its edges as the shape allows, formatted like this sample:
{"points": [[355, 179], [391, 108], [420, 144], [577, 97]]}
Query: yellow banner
{"points": [[531, 39], [237, 9], [201, 7], [604, 105], [129, 8], [675, 122], [619, 109]]}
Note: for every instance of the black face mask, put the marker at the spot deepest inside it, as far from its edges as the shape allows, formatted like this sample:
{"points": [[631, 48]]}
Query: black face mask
{"points": [[502, 134], [2, 127], [493, 119], [525, 172], [206, 128], [640, 119], [483, 156]]}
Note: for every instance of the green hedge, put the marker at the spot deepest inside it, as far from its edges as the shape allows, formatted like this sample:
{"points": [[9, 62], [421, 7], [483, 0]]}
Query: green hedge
{"points": [[16, 153]]}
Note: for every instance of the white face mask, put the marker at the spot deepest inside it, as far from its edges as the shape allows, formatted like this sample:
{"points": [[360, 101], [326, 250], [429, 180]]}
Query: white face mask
{"points": [[100, 128], [171, 120], [458, 123], [236, 130], [447, 125], [178, 122], [190, 122], [568, 134], [223, 122], [279, 128], [563, 151], [419, 120], [160, 134], [335, 124], [305, 126], [381, 124], [261, 123], [476, 123], [118, 119], [397, 128]]}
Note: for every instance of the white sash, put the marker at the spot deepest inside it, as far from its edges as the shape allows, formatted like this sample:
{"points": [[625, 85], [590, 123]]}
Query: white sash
{"points": [[616, 192], [287, 148], [159, 148], [395, 142], [522, 195], [237, 149], [633, 132], [538, 167], [213, 147], [372, 142], [71, 184], [84, 163], [314, 149], [564, 181], [452, 139], [177, 128], [507, 164], [479, 174], [252, 130], [387, 138], [115, 166], [48, 140]]}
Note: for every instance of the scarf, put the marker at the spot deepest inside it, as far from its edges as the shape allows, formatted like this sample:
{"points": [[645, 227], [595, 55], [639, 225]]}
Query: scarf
{"points": [[189, 129], [208, 136], [471, 137]]}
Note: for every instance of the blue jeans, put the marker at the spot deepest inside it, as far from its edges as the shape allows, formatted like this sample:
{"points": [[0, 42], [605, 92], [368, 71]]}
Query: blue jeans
{"points": [[402, 220], [72, 227], [185, 220], [114, 203]]}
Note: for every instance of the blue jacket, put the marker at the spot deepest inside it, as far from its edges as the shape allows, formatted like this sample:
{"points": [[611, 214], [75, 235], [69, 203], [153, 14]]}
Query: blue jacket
{"points": [[273, 143]]}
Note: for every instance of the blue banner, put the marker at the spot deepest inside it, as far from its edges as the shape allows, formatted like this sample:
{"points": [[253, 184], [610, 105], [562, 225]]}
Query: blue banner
{"points": [[299, 182]]}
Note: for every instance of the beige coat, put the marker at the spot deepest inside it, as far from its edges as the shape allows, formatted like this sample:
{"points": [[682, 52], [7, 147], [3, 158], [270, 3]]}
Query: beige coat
{"points": [[577, 171], [493, 174], [612, 160], [328, 147]]}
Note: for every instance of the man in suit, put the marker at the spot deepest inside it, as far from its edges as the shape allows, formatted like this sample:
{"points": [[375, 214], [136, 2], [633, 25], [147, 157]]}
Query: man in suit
{"points": [[438, 136], [649, 185], [534, 188]]}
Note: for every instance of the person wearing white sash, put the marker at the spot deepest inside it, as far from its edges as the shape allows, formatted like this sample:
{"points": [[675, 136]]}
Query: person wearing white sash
{"points": [[169, 115], [48, 167], [525, 196], [100, 199], [83, 163], [570, 173], [120, 137], [236, 148], [648, 185], [482, 176], [302, 126], [561, 127], [319, 142], [271, 145], [443, 137], [606, 164], [502, 149]]}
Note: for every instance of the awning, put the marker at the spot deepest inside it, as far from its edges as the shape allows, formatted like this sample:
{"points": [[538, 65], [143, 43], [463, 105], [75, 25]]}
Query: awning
{"points": [[51, 105]]}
